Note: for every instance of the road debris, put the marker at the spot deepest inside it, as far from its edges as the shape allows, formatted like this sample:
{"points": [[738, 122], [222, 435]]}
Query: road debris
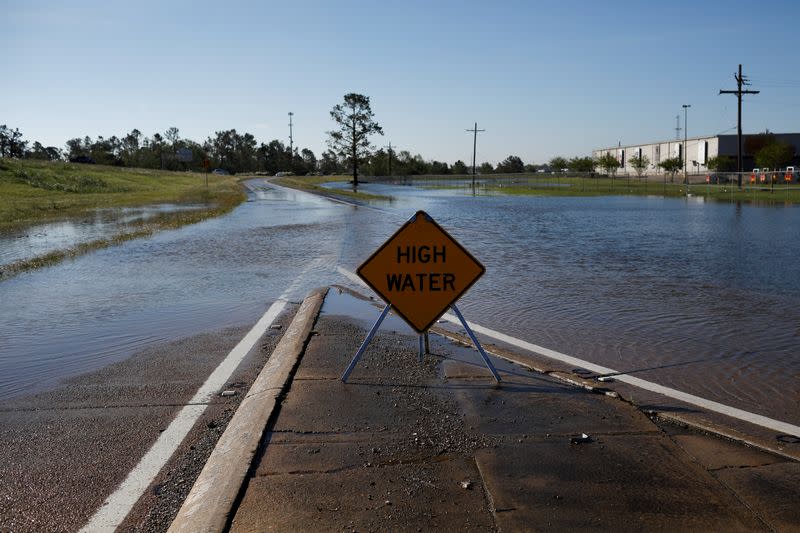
{"points": [[584, 438]]}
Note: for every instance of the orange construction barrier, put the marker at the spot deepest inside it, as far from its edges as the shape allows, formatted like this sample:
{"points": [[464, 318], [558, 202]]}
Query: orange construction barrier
{"points": [[763, 177], [788, 177], [752, 178]]}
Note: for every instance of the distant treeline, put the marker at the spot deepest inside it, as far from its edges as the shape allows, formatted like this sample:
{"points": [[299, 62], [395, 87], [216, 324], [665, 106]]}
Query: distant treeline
{"points": [[242, 153]]}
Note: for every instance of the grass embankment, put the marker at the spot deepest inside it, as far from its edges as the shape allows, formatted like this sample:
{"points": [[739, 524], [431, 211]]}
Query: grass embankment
{"points": [[313, 184], [556, 185], [33, 192]]}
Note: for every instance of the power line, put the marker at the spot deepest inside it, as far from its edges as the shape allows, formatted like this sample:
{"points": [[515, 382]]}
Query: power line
{"points": [[740, 81]]}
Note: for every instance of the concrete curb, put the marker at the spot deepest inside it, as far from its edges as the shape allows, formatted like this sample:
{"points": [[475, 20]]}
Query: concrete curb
{"points": [[606, 389], [208, 506]]}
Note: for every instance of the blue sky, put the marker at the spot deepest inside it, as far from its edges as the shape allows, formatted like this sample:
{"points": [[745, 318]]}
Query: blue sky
{"points": [[543, 78]]}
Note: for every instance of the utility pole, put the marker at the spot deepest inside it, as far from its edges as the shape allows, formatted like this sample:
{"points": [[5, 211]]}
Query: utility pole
{"points": [[740, 80], [677, 127], [291, 141], [685, 132], [475, 132], [390, 158]]}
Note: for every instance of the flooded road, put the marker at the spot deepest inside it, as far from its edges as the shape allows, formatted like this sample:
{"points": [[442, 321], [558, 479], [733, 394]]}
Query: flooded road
{"points": [[104, 306], [697, 296]]}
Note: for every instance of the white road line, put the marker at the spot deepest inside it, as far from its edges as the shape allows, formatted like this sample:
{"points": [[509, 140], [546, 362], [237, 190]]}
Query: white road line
{"points": [[117, 506], [733, 412]]}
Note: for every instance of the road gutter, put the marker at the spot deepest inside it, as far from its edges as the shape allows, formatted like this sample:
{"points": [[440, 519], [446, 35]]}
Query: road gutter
{"points": [[211, 501]]}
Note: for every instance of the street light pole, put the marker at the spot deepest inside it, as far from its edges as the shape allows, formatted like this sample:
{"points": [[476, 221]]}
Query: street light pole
{"points": [[685, 136]]}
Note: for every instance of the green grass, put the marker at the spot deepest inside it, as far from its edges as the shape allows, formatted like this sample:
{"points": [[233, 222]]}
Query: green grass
{"points": [[580, 186], [33, 192], [37, 191], [313, 184]]}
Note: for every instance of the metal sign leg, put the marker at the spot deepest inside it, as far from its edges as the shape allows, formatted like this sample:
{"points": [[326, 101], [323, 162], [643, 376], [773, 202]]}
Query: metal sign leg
{"points": [[366, 342], [472, 336], [421, 350]]}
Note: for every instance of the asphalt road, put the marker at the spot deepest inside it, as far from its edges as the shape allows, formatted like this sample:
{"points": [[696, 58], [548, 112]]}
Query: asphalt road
{"points": [[64, 451]]}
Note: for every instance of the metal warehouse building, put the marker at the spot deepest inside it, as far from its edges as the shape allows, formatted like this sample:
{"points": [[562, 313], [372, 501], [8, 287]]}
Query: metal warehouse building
{"points": [[698, 149]]}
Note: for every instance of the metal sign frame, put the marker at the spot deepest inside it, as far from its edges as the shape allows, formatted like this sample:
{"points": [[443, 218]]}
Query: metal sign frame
{"points": [[377, 324], [390, 240], [421, 331]]}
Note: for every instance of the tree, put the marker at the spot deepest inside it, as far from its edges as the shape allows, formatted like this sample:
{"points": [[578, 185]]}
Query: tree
{"points": [[640, 163], [557, 163], [459, 167], [581, 164], [721, 163], [671, 166], [104, 151], [608, 163], [157, 146], [11, 143], [130, 148], [309, 160], [378, 163], [486, 168], [173, 135], [409, 165], [38, 151], [328, 163], [775, 155], [438, 168], [351, 140], [510, 165], [275, 157]]}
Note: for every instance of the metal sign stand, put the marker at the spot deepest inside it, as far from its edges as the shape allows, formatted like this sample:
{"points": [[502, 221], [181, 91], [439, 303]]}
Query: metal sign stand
{"points": [[477, 344], [422, 343]]}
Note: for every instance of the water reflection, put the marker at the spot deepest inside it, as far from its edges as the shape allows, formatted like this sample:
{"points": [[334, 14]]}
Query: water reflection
{"points": [[41, 239], [103, 306], [697, 296]]}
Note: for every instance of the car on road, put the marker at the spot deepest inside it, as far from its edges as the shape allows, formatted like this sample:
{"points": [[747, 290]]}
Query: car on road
{"points": [[220, 172]]}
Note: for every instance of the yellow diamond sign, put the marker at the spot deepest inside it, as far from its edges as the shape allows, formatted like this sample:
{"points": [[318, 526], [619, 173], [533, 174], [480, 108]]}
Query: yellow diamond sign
{"points": [[421, 271]]}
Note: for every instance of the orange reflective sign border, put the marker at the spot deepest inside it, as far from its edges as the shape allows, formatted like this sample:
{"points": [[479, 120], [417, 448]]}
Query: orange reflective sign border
{"points": [[421, 271]]}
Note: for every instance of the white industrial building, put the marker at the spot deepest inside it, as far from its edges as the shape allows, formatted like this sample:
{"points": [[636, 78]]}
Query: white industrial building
{"points": [[698, 149]]}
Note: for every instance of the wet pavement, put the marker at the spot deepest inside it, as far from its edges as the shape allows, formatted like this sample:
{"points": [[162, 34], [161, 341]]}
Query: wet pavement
{"points": [[103, 307], [65, 450], [409, 447], [727, 334], [686, 294]]}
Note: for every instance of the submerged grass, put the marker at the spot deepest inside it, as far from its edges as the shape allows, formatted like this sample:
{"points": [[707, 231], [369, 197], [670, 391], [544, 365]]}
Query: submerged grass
{"points": [[582, 186], [141, 228], [33, 192]]}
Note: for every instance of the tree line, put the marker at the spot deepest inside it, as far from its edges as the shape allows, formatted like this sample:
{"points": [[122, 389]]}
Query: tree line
{"points": [[233, 151], [241, 152]]}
